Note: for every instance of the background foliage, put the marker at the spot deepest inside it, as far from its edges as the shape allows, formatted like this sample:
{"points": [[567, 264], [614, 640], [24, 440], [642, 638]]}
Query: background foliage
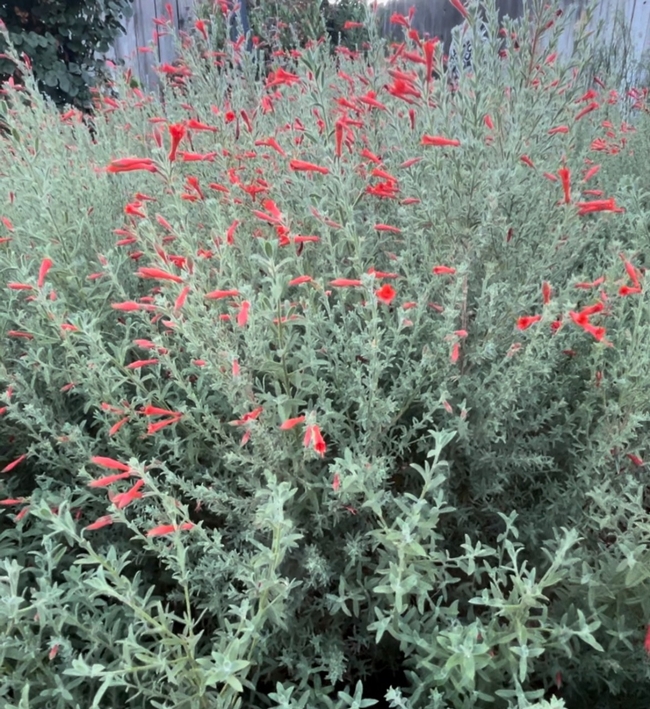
{"points": [[61, 39], [280, 25], [473, 530]]}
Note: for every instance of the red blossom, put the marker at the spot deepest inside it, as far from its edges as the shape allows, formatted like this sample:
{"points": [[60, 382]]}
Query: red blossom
{"points": [[345, 283], [46, 265], [10, 466], [110, 479], [300, 279], [291, 423], [131, 164], [110, 463], [176, 132], [460, 7], [242, 315], [598, 205], [565, 177], [100, 522], [304, 166], [439, 141], [314, 438], [218, 294], [455, 352], [164, 529], [159, 274], [122, 499], [524, 322], [386, 294]]}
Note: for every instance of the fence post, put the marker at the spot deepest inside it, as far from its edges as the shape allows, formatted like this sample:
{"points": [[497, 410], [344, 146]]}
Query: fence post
{"points": [[243, 18]]}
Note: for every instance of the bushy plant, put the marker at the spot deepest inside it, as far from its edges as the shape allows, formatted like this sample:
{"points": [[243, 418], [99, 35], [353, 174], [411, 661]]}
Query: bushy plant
{"points": [[330, 390], [61, 41], [280, 26]]}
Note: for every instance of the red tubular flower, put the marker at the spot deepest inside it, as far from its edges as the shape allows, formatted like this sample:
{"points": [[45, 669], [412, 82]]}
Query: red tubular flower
{"points": [[439, 141], [338, 137], [197, 157], [280, 77], [443, 270], [200, 26], [455, 353], [631, 272], [370, 100], [319, 442], [131, 164], [250, 416], [157, 273], [304, 166], [100, 522], [345, 283], [139, 363], [193, 124], [300, 279], [546, 292], [219, 294], [271, 143], [460, 7], [593, 284], [565, 177], [388, 227], [176, 132], [587, 109], [242, 315], [182, 297], [165, 529], [314, 438], [598, 205], [629, 290], [291, 423], [429, 48], [635, 459], [109, 479], [10, 466], [46, 265], [524, 322], [397, 19], [19, 286], [123, 499], [386, 294]]}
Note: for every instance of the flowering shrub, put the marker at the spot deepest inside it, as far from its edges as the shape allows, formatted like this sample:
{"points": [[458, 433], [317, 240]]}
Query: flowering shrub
{"points": [[329, 390]]}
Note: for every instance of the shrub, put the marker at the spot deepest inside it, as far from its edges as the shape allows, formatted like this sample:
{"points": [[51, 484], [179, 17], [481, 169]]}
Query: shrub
{"points": [[280, 26], [330, 389], [61, 40]]}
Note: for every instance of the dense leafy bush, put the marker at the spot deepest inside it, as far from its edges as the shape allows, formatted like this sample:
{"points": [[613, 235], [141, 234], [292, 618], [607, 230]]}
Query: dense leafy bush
{"points": [[61, 39], [330, 391], [279, 25]]}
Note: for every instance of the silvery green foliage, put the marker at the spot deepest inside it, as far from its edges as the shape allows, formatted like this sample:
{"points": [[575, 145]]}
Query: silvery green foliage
{"points": [[475, 532]]}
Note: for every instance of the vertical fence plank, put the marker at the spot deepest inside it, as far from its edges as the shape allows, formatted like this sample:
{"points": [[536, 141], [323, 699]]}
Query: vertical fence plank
{"points": [[166, 40]]}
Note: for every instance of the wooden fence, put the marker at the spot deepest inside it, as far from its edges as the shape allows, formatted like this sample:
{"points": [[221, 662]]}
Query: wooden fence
{"points": [[435, 16], [140, 33]]}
